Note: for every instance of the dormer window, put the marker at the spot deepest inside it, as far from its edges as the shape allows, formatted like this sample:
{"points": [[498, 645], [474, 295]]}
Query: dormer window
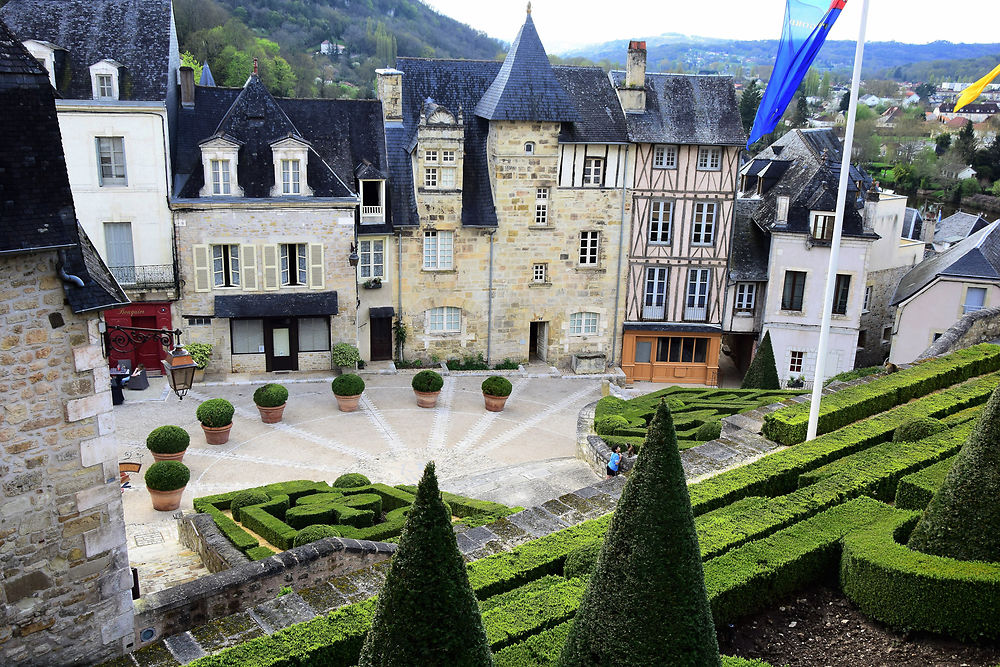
{"points": [[822, 226], [219, 158], [372, 198], [290, 184], [45, 54], [104, 80], [221, 184], [291, 159]]}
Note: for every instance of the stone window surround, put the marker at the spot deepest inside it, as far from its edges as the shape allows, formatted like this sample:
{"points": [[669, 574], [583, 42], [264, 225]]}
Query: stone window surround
{"points": [[220, 149], [962, 312], [444, 320], [583, 321], [371, 265], [797, 359], [291, 148], [45, 53], [105, 67]]}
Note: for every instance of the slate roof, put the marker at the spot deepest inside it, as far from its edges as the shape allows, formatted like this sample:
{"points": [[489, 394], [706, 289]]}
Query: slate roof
{"points": [[686, 109], [525, 87], [345, 138], [958, 226], [980, 107], [36, 205], [978, 256], [135, 33], [206, 75], [750, 248]]}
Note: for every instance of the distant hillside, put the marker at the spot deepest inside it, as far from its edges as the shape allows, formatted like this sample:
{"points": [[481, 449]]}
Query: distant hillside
{"points": [[671, 50], [285, 36]]}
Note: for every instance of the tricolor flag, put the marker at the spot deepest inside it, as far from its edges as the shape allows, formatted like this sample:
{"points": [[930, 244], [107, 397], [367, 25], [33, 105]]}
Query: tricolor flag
{"points": [[807, 23], [973, 91]]}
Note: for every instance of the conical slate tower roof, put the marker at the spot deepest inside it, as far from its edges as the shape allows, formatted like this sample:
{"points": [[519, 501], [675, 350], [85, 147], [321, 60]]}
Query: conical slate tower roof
{"points": [[526, 88], [206, 76]]}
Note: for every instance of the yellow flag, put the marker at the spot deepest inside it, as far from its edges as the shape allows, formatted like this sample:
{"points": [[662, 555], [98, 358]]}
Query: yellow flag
{"points": [[973, 91]]}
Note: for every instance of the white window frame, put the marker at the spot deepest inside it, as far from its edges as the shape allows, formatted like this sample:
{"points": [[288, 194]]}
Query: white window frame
{"points": [[966, 307], [709, 158], [439, 250], [868, 299], [796, 361], [696, 294], [590, 248], [746, 297], [291, 176], [225, 260], [447, 157], [593, 172], [654, 302], [372, 258], [542, 207], [444, 319], [115, 157], [303, 324], [660, 227], [539, 273], [431, 177], [703, 224], [447, 179], [431, 156], [285, 153], [665, 156], [252, 329], [584, 323], [297, 261], [221, 184], [224, 150], [105, 68]]}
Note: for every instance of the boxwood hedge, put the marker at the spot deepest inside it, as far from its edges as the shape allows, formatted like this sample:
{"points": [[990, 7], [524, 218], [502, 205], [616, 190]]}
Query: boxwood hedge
{"points": [[915, 490]]}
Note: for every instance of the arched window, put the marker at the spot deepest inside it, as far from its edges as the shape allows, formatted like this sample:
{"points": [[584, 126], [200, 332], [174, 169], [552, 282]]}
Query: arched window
{"points": [[529, 147]]}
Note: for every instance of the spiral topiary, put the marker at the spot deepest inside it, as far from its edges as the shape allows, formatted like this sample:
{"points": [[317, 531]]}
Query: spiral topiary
{"points": [[247, 498], [215, 413], [917, 429], [496, 385], [167, 476], [348, 385], [427, 381], [270, 395], [351, 480], [608, 425], [168, 440], [314, 532]]}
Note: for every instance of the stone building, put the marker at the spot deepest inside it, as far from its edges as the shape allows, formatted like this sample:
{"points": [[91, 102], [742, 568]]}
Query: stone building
{"points": [[114, 66], [65, 597], [507, 188], [273, 196], [686, 138]]}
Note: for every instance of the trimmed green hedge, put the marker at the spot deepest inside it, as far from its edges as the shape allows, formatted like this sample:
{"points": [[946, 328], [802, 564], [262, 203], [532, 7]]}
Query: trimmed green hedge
{"points": [[536, 586], [788, 425], [259, 553], [910, 590], [526, 614], [272, 529], [915, 491], [240, 538]]}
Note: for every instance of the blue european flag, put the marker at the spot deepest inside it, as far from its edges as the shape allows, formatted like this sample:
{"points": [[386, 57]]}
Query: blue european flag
{"points": [[807, 23]]}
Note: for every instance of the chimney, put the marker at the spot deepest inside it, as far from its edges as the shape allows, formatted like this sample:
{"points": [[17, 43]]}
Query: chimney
{"points": [[389, 89], [632, 93], [187, 87]]}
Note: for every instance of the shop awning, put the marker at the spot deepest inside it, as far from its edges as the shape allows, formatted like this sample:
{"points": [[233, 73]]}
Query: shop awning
{"points": [[383, 311], [307, 304]]}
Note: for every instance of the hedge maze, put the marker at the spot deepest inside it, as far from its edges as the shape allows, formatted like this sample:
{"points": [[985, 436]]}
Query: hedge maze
{"points": [[289, 514], [818, 511], [697, 413]]}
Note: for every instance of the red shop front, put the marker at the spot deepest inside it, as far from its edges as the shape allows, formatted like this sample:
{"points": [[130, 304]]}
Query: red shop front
{"points": [[150, 315]]}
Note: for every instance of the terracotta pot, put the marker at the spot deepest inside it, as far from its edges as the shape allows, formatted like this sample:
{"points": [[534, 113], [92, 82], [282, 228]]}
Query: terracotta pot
{"points": [[495, 403], [216, 436], [179, 456], [427, 399], [348, 403], [165, 501], [271, 415]]}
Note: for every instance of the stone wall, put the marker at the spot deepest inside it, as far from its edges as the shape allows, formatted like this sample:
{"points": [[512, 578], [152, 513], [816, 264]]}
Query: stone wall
{"points": [[979, 326], [63, 561], [879, 316], [199, 533]]}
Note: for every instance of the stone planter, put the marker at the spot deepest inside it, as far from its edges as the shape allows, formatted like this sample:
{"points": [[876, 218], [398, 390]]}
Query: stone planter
{"points": [[271, 415], [157, 456], [426, 399], [199, 375], [348, 403], [166, 501], [216, 436], [495, 403]]}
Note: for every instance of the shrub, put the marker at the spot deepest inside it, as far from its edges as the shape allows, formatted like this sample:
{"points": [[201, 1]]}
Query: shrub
{"points": [[270, 395], [469, 363], [674, 404], [259, 553], [348, 384], [762, 373], [857, 373], [610, 424], [507, 365], [649, 571], [215, 413], [201, 353], [168, 440], [240, 538], [351, 480], [345, 354], [495, 385], [581, 561], [314, 532], [247, 499], [426, 606], [167, 476], [709, 431], [427, 381], [917, 429], [272, 529], [914, 491]]}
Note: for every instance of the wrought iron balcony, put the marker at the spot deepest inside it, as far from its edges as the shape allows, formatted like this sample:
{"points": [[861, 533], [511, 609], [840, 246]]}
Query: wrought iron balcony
{"points": [[150, 276]]}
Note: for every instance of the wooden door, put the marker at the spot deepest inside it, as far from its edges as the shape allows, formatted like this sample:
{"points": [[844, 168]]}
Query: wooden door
{"points": [[643, 370], [148, 354], [381, 338], [281, 344]]}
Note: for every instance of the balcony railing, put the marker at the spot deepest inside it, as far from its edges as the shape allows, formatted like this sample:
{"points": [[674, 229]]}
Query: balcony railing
{"points": [[372, 214], [150, 276], [655, 313], [695, 314]]}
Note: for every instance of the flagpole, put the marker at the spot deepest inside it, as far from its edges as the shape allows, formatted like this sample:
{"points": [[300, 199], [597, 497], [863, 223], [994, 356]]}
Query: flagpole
{"points": [[838, 228]]}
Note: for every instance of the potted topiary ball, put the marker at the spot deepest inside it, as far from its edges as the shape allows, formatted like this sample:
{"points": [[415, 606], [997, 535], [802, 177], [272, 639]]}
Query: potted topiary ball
{"points": [[168, 443], [165, 481], [496, 389], [270, 400], [216, 417], [427, 387], [347, 388]]}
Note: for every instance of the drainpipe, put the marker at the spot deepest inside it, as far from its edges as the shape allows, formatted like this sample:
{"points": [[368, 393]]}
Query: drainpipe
{"points": [[618, 274], [399, 283], [489, 305]]}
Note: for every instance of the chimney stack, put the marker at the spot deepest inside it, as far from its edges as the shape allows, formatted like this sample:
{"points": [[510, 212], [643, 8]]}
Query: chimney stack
{"points": [[187, 86], [632, 93], [389, 90]]}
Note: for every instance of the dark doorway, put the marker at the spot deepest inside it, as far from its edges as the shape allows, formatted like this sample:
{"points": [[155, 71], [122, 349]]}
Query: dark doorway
{"points": [[281, 344], [147, 354], [381, 338], [538, 341]]}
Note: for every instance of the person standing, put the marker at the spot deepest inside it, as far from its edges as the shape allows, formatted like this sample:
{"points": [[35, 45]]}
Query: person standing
{"points": [[614, 463]]}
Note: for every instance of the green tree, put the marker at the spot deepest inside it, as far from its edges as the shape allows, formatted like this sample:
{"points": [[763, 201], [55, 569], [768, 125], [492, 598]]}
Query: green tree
{"points": [[762, 373], [824, 86], [646, 602], [962, 520], [943, 143], [426, 612], [965, 143], [845, 101], [925, 90], [811, 83], [801, 117], [749, 103], [188, 60]]}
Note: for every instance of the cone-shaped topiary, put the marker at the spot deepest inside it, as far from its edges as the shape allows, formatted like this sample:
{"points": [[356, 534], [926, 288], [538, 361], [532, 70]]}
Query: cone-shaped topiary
{"points": [[646, 602], [427, 613], [762, 373], [962, 520]]}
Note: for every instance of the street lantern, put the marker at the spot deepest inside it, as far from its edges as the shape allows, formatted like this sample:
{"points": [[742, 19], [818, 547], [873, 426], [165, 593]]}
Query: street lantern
{"points": [[179, 368], [353, 258]]}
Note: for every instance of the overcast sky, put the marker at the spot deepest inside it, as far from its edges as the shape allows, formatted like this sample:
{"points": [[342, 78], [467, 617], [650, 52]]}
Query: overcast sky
{"points": [[567, 24]]}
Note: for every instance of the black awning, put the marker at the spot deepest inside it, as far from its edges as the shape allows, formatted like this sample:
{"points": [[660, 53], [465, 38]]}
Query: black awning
{"points": [[306, 304], [383, 311]]}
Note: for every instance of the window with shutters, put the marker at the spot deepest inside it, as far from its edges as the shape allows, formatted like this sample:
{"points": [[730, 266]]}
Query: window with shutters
{"points": [[314, 334], [665, 157], [372, 253], [583, 324], [841, 294], [696, 303], [226, 265], [294, 265], [703, 228], [541, 207], [655, 300], [118, 240], [111, 160], [709, 158], [589, 246], [445, 319], [438, 250], [593, 172], [661, 216], [793, 291]]}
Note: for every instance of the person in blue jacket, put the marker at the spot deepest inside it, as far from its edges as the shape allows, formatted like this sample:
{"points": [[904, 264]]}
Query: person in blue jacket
{"points": [[614, 463]]}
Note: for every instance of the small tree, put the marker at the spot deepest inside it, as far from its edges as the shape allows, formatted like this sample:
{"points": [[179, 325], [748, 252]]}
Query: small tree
{"points": [[962, 520], [801, 117], [426, 613], [749, 101], [646, 602], [762, 373]]}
